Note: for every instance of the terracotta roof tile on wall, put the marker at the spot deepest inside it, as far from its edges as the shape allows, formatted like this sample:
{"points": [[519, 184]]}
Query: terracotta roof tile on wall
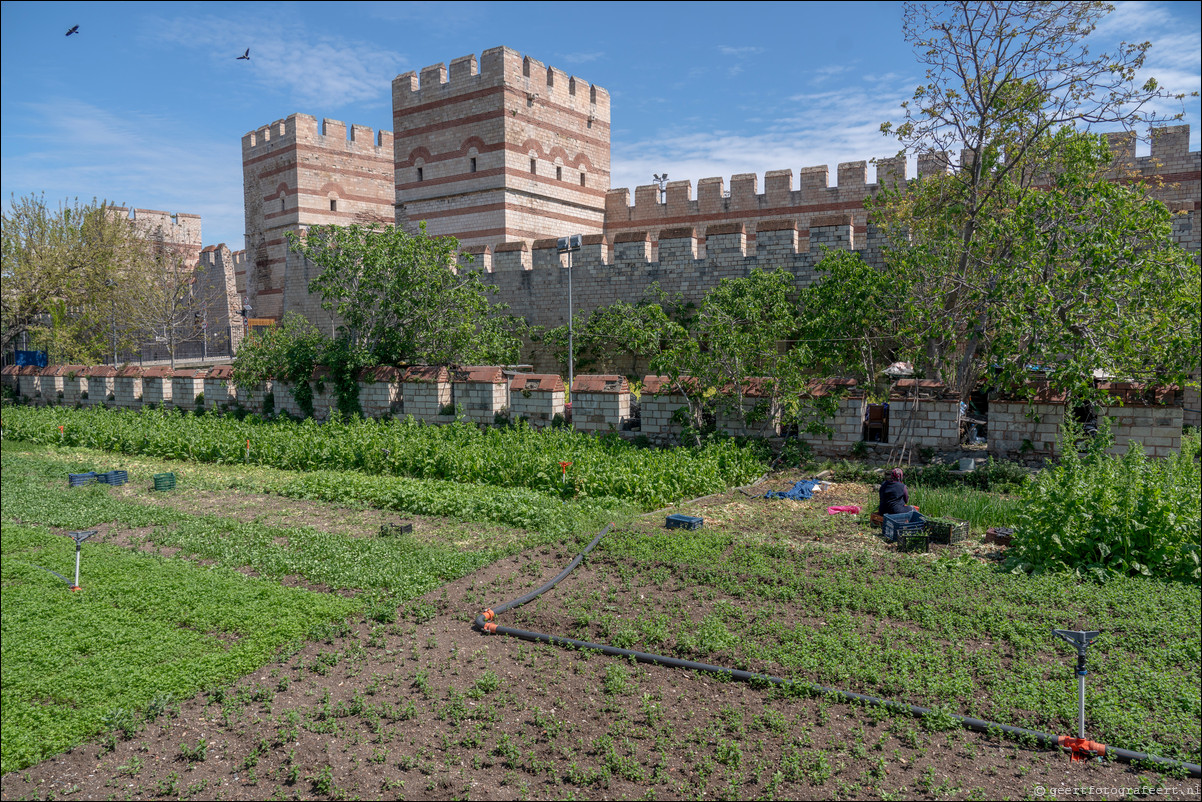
{"points": [[633, 236], [680, 232], [600, 384], [537, 382], [99, 372], [725, 228], [429, 374], [1043, 394], [74, 369], [54, 370], [156, 373], [1139, 392], [817, 388], [130, 371], [753, 387], [29, 370], [385, 373], [188, 373], [9, 370], [479, 374], [220, 372], [662, 385]]}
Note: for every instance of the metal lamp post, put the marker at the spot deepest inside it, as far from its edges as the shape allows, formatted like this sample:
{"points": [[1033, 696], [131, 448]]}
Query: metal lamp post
{"points": [[110, 283], [570, 245]]}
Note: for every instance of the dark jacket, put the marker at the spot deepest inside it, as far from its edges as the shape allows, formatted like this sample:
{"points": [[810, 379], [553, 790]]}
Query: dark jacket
{"points": [[895, 498]]}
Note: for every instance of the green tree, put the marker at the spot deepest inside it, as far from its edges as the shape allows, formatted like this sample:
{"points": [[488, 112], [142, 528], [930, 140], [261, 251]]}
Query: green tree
{"points": [[1008, 82], [404, 298], [1076, 275], [64, 274], [741, 331], [848, 319], [617, 337]]}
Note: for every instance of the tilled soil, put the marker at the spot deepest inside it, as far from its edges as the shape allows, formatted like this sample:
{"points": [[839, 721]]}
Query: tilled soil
{"points": [[426, 708]]}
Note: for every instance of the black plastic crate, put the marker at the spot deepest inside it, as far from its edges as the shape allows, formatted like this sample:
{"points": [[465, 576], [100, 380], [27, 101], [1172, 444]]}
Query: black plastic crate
{"points": [[947, 531], [900, 523], [396, 530], [684, 522]]}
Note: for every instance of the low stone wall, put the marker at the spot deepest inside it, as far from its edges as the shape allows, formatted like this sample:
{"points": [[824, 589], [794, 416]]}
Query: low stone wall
{"points": [[219, 387], [156, 386], [75, 384], [847, 429], [536, 397], [600, 403], [479, 393], [425, 393], [127, 388], [379, 392], [185, 386], [1156, 428], [1019, 431], [931, 423]]}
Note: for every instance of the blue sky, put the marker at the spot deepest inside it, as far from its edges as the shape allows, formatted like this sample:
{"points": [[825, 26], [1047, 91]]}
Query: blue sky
{"points": [[147, 105]]}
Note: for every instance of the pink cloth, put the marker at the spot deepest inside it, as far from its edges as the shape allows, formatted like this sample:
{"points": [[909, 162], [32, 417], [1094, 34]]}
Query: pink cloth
{"points": [[853, 509]]}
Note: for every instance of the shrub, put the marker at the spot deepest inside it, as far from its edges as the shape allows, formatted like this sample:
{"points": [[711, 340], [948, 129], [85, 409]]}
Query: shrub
{"points": [[1096, 514]]}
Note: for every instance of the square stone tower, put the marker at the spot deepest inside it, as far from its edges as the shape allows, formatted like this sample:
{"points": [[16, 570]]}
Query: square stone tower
{"points": [[501, 150], [296, 175]]}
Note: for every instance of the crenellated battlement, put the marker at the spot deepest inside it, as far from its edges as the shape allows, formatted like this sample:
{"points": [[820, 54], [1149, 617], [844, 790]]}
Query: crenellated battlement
{"points": [[781, 192], [498, 67], [305, 129]]}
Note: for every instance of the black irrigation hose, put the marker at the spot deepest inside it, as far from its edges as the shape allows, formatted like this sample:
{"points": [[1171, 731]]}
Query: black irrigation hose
{"points": [[482, 624]]}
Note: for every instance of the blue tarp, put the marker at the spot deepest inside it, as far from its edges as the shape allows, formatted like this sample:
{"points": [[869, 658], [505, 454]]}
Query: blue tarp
{"points": [[36, 358], [802, 490]]}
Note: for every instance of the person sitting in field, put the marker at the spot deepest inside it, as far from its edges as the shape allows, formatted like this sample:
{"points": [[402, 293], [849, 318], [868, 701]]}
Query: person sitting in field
{"points": [[895, 497]]}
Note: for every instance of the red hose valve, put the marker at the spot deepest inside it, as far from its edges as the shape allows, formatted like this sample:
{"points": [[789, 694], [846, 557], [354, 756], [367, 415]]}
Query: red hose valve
{"points": [[488, 614], [490, 629], [1081, 748]]}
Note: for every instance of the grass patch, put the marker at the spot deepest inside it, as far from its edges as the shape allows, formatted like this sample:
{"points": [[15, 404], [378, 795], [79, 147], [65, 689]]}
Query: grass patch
{"points": [[143, 628], [944, 632], [980, 508]]}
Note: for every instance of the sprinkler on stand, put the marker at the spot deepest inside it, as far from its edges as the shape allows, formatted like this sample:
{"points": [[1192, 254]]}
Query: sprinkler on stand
{"points": [[79, 538], [1079, 747]]}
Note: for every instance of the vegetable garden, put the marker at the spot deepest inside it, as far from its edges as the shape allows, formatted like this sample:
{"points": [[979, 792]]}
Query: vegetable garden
{"points": [[318, 658]]}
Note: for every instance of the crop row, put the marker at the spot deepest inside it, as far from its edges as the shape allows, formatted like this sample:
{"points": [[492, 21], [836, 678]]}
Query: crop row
{"points": [[556, 461]]}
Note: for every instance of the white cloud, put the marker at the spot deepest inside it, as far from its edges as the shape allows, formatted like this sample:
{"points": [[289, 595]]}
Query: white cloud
{"points": [[313, 67], [142, 160], [815, 129]]}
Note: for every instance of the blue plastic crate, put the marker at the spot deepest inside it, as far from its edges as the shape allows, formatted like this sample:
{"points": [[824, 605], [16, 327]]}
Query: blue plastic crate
{"points": [[114, 478], [80, 479], [684, 522], [895, 525]]}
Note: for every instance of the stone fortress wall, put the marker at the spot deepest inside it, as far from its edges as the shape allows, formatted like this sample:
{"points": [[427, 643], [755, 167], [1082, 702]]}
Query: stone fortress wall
{"points": [[506, 154]]}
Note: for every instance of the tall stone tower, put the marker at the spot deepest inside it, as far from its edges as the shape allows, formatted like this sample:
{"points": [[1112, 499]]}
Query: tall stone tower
{"points": [[295, 175], [501, 150]]}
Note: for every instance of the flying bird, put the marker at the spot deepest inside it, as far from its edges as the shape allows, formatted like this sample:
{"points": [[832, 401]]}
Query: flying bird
{"points": [[74, 29], [245, 55]]}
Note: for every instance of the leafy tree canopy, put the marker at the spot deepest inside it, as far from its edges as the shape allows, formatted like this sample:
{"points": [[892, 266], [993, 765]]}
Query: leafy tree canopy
{"points": [[404, 298]]}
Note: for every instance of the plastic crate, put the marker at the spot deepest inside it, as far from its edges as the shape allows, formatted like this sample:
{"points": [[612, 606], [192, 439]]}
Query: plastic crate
{"points": [[396, 530], [947, 530], [81, 479], [164, 481], [914, 541], [114, 478], [684, 522], [895, 525]]}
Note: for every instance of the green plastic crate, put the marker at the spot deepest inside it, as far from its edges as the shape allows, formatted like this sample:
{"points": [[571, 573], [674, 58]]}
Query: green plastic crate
{"points": [[164, 481], [947, 531]]}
